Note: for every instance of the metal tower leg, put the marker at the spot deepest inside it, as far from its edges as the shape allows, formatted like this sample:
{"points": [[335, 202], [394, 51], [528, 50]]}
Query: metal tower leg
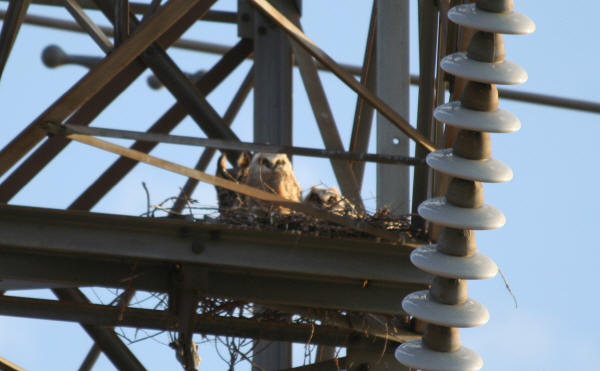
{"points": [[392, 86], [272, 124]]}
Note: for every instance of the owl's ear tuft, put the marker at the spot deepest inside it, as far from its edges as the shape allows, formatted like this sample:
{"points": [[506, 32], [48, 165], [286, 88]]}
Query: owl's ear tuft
{"points": [[222, 164], [244, 159]]}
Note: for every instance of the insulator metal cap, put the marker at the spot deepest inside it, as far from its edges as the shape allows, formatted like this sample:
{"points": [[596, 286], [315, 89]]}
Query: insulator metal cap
{"points": [[487, 47], [496, 6], [479, 96], [465, 193], [450, 291], [472, 145], [441, 338], [457, 242]]}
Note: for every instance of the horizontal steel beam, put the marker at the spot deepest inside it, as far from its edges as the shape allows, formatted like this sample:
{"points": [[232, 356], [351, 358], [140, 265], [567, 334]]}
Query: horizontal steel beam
{"points": [[242, 146], [141, 8], [27, 284], [23, 268], [101, 315], [167, 240]]}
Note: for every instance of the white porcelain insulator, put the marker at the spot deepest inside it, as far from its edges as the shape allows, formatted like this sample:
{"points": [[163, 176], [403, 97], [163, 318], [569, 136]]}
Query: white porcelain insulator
{"points": [[511, 22], [487, 171], [475, 267], [439, 211], [503, 73], [470, 314], [414, 355], [498, 121]]}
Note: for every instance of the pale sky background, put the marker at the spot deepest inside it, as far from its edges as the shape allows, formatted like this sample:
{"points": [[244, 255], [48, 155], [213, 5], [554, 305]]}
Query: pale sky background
{"points": [[546, 250]]}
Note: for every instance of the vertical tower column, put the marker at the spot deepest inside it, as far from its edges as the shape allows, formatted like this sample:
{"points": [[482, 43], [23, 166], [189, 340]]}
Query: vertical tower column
{"points": [[445, 307], [392, 86], [272, 81], [272, 122]]}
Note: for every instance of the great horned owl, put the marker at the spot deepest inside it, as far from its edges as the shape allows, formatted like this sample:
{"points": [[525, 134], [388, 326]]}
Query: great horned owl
{"points": [[230, 200], [330, 199], [272, 172]]}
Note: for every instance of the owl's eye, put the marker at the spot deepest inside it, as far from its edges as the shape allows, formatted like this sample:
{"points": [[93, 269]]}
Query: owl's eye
{"points": [[279, 163]]}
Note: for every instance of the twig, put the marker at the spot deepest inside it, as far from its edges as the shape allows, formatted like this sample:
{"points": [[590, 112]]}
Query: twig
{"points": [[147, 199], [510, 291]]}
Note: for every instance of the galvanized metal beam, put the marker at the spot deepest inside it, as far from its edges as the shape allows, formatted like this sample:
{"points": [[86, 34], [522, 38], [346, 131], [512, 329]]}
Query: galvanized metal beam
{"points": [[522, 96], [84, 116], [510, 94], [236, 104], [102, 315], [48, 150], [176, 81], [143, 8], [91, 358], [96, 79], [428, 32], [183, 303], [242, 146], [189, 242], [88, 25], [392, 86], [363, 113], [164, 124], [280, 20], [273, 82], [46, 270], [6, 365], [121, 21], [117, 352], [325, 365], [122, 301], [15, 15], [326, 123]]}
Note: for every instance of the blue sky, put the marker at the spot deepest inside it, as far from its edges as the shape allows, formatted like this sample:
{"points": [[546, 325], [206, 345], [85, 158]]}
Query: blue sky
{"points": [[546, 250]]}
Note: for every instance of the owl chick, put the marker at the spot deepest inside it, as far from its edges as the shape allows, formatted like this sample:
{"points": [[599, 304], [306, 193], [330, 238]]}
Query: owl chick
{"points": [[230, 200], [272, 172], [331, 199]]}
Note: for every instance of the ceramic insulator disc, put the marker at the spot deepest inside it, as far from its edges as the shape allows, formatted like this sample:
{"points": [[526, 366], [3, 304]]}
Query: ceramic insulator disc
{"points": [[504, 73], [439, 211], [414, 355], [488, 171], [497, 121], [507, 23], [470, 314], [475, 267]]}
